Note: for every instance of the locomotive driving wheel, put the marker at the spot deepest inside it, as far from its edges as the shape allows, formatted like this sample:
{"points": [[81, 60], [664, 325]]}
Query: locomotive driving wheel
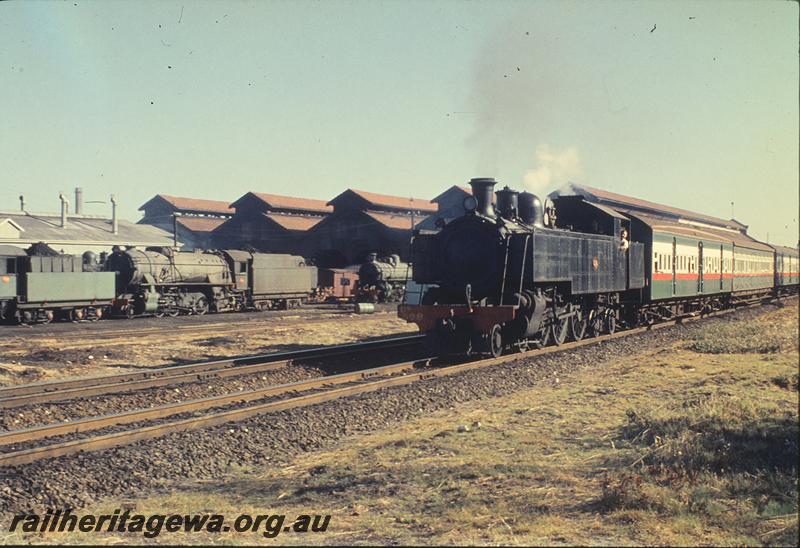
{"points": [[561, 327], [610, 321], [578, 325], [545, 337], [495, 341], [595, 323], [201, 306]]}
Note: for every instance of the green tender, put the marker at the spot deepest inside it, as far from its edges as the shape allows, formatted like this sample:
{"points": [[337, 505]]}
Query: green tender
{"points": [[55, 287]]}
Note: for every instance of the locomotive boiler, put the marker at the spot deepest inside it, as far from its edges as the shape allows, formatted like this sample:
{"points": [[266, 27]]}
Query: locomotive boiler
{"points": [[163, 281]]}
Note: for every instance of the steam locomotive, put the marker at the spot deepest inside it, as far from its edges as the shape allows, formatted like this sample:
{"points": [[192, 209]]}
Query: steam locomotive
{"points": [[158, 281], [519, 274], [166, 282], [382, 280]]}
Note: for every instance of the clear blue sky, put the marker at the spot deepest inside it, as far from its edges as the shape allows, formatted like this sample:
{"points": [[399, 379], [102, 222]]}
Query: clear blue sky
{"points": [[694, 104]]}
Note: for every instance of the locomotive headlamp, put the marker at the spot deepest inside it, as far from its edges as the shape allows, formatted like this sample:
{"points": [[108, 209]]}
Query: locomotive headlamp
{"points": [[470, 204]]}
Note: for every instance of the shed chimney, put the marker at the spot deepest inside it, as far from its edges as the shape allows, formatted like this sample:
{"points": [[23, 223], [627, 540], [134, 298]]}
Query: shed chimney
{"points": [[78, 200], [114, 228], [22, 202], [64, 209]]}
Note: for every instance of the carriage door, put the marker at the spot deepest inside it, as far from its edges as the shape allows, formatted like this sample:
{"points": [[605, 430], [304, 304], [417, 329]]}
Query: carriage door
{"points": [[674, 263], [721, 281], [700, 267]]}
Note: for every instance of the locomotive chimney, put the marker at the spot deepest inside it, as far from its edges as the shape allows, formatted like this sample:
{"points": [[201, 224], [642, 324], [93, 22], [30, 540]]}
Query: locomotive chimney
{"points": [[114, 226], [22, 202], [64, 209], [530, 209], [483, 191], [78, 200], [507, 203]]}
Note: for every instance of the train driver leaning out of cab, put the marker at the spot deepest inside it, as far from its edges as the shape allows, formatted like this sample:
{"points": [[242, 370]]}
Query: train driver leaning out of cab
{"points": [[625, 243]]}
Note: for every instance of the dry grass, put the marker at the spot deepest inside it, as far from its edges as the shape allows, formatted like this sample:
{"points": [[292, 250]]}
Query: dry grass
{"points": [[738, 336], [668, 446]]}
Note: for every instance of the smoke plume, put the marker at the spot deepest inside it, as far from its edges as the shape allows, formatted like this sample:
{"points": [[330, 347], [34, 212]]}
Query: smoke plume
{"points": [[554, 168]]}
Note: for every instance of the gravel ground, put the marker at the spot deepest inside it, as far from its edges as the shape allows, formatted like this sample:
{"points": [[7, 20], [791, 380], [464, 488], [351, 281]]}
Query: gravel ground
{"points": [[95, 350], [275, 438], [105, 404]]}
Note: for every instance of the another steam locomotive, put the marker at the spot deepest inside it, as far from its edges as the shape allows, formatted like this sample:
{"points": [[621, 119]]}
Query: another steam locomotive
{"points": [[522, 275], [382, 280], [157, 281], [165, 282]]}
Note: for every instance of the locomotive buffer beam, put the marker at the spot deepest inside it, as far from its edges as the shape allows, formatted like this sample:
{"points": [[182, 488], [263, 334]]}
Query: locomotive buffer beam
{"points": [[482, 318]]}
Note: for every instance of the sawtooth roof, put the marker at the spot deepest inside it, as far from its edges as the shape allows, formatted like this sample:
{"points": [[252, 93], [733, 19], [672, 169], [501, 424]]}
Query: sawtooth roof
{"points": [[390, 220], [293, 222], [385, 201], [192, 204], [278, 202], [200, 224]]}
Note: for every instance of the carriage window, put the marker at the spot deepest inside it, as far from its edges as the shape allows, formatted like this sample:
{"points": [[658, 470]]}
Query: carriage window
{"points": [[11, 266], [242, 267]]}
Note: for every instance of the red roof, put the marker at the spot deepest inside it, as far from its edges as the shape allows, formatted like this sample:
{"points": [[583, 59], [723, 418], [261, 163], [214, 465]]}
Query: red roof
{"points": [[635, 203], [402, 222], [386, 201], [275, 201], [193, 204], [200, 224], [293, 222]]}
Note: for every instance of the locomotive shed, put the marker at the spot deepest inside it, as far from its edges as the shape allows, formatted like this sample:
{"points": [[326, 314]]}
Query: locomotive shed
{"points": [[83, 478]]}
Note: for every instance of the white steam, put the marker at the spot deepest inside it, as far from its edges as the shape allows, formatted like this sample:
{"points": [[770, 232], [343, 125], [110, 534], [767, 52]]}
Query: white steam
{"points": [[554, 168]]}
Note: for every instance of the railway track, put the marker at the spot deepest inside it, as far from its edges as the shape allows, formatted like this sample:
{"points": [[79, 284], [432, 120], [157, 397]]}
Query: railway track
{"points": [[206, 412], [129, 335], [41, 392]]}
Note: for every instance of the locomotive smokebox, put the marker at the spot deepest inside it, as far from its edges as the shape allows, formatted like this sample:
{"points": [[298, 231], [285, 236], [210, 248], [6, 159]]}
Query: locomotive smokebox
{"points": [[507, 203], [483, 191], [530, 209]]}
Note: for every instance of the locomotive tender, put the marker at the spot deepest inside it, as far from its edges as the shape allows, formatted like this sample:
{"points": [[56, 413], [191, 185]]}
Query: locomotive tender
{"points": [[517, 275], [39, 289]]}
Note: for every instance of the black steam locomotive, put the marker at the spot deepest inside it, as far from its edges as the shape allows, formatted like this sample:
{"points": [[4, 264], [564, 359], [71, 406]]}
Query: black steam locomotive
{"points": [[382, 280], [524, 275], [165, 282]]}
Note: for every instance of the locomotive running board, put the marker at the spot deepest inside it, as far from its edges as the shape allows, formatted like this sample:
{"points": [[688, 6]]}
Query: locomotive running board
{"points": [[482, 317]]}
